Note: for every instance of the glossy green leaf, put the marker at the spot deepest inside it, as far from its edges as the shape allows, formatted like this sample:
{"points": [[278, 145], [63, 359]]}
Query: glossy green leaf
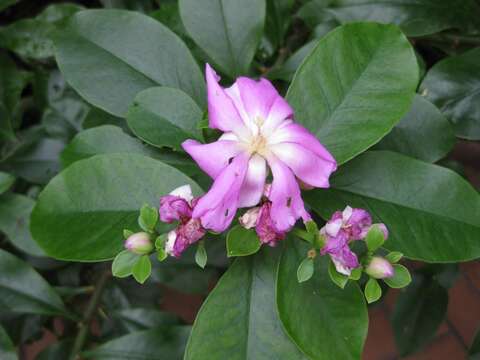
{"points": [[7, 349], [401, 277], [242, 309], [373, 291], [101, 50], [424, 133], [418, 313], [278, 20], [305, 270], [137, 319], [416, 18], [148, 217], [228, 31], [325, 321], [394, 257], [242, 242], [123, 263], [23, 290], [164, 116], [338, 279], [15, 210], [142, 269], [155, 344], [453, 84], [427, 209], [82, 212], [344, 92], [287, 70], [6, 181], [375, 238], [201, 255]]}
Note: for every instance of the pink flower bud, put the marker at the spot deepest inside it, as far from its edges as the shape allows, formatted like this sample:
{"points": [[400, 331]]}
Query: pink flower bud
{"points": [[139, 243], [379, 268]]}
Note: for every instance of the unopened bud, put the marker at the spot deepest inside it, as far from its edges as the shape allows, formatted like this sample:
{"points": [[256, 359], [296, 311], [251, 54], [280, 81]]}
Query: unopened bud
{"points": [[139, 243], [379, 268]]}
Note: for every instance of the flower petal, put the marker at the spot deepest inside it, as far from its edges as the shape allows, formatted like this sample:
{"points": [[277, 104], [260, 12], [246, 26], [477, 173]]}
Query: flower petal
{"points": [[307, 166], [214, 157], [287, 204], [218, 206], [184, 191], [257, 96], [279, 113], [344, 260], [254, 183], [222, 113], [359, 222]]}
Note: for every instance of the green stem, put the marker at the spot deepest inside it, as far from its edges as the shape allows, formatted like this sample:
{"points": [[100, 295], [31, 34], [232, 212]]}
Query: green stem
{"points": [[88, 315]]}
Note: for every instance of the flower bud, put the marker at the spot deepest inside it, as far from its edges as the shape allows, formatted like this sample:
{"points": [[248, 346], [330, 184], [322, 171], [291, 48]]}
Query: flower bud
{"points": [[139, 243], [379, 268], [250, 218]]}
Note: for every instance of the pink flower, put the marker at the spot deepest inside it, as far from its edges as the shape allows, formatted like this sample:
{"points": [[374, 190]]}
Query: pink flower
{"points": [[259, 218], [139, 243], [258, 130], [183, 236], [176, 205]]}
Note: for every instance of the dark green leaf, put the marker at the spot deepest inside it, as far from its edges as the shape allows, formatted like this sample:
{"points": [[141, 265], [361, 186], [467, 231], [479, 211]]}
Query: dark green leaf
{"points": [[101, 50], [123, 263], [137, 319], [23, 290], [288, 69], [305, 270], [6, 181], [242, 309], [474, 350], [242, 242], [346, 95], [339, 279], [428, 210], [418, 313], [7, 349], [373, 291], [57, 351], [82, 212], [453, 85], [278, 20], [424, 133], [401, 277], [164, 117], [228, 31], [15, 210], [142, 269], [416, 18], [156, 344], [6, 3], [325, 321], [97, 117]]}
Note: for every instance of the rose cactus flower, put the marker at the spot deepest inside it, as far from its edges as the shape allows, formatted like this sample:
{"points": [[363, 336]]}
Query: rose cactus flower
{"points": [[260, 218], [258, 129], [178, 206]]}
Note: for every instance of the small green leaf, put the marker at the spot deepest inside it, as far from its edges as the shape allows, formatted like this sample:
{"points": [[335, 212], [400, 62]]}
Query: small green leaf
{"points": [[375, 238], [123, 263], [311, 227], [242, 242], [142, 269], [6, 181], [400, 279], [319, 241], [201, 255], [148, 218], [160, 241], [305, 270], [339, 279], [356, 273], [394, 257], [127, 233], [373, 291], [161, 254]]}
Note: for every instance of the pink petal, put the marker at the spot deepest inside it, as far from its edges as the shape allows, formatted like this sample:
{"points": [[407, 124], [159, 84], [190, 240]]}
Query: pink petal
{"points": [[344, 260], [257, 96], [307, 166], [287, 204], [279, 112], [218, 206], [214, 157], [254, 183], [222, 113]]}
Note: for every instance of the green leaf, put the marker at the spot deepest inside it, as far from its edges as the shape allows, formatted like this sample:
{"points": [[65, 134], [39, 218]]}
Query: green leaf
{"points": [[155, 344], [6, 181], [228, 31], [375, 238], [101, 50], [278, 20], [416, 18], [305, 270], [373, 291], [123, 263], [400, 279], [6, 3], [7, 349], [142, 269], [81, 213], [474, 350], [324, 321], [394, 257], [148, 217], [15, 210], [201, 255], [23, 290], [164, 116], [137, 319], [453, 84], [344, 93], [424, 133], [242, 242], [287, 70], [242, 309], [339, 279], [425, 222], [418, 313], [356, 273]]}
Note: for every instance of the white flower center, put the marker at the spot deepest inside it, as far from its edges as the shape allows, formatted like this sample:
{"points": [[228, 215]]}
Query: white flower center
{"points": [[258, 143]]}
